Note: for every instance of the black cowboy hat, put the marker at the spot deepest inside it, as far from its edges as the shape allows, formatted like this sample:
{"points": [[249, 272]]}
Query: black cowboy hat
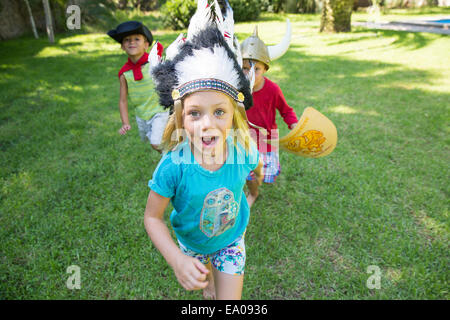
{"points": [[130, 27]]}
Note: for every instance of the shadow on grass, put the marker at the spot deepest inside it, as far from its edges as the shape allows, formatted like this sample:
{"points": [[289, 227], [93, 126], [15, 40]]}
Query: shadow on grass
{"points": [[152, 20], [390, 92], [410, 40], [35, 89], [419, 11], [281, 17]]}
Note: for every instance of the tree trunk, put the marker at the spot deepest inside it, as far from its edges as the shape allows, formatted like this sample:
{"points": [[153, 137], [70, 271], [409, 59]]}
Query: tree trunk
{"points": [[48, 21], [336, 16], [33, 25], [278, 5], [291, 6], [12, 23]]}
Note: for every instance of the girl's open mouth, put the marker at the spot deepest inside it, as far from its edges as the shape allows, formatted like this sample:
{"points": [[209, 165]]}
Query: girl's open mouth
{"points": [[209, 141]]}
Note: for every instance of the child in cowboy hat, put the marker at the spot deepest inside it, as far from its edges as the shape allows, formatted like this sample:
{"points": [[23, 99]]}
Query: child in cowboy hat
{"points": [[136, 84]]}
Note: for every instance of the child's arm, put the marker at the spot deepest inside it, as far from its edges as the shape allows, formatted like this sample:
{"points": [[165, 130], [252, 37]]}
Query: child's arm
{"points": [[123, 105], [190, 272], [286, 111]]}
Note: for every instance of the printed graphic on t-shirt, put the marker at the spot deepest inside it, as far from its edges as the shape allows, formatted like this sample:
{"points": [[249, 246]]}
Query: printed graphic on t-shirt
{"points": [[218, 213]]}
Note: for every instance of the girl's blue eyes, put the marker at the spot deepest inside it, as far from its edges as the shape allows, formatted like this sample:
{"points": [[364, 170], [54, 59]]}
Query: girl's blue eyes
{"points": [[217, 113]]}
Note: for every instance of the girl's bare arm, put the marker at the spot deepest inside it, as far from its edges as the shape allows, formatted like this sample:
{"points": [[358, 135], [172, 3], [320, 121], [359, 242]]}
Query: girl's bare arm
{"points": [[190, 272]]}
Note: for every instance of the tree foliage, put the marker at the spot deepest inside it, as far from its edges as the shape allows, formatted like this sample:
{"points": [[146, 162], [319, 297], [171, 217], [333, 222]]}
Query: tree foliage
{"points": [[290, 6], [177, 13], [246, 10]]}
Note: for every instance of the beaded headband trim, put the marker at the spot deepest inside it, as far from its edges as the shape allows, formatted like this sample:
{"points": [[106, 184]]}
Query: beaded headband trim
{"points": [[207, 84]]}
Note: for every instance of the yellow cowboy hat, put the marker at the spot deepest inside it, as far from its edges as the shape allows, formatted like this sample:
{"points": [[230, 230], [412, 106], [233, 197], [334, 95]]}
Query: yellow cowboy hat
{"points": [[314, 136]]}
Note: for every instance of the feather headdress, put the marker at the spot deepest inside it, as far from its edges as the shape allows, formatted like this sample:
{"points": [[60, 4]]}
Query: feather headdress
{"points": [[208, 59]]}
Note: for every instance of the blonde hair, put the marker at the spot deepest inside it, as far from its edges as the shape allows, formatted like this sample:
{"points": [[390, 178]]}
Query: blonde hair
{"points": [[174, 133]]}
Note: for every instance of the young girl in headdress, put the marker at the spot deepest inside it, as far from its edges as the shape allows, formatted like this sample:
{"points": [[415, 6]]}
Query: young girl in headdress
{"points": [[208, 155]]}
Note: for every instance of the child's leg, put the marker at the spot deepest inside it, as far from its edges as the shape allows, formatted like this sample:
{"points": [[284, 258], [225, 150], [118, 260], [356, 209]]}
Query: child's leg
{"points": [[210, 291], [270, 171], [228, 270], [228, 287], [156, 147]]}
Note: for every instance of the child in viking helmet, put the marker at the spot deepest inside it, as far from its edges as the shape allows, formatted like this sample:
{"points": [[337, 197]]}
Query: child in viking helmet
{"points": [[267, 99], [208, 155]]}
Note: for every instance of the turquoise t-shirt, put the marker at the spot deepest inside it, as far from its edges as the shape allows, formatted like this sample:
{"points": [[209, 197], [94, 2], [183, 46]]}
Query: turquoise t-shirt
{"points": [[210, 207]]}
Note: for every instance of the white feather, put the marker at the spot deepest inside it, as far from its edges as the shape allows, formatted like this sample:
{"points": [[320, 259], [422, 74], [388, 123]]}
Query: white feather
{"points": [[237, 51], [228, 25], [215, 64], [173, 49], [200, 19], [251, 75], [153, 57], [219, 16]]}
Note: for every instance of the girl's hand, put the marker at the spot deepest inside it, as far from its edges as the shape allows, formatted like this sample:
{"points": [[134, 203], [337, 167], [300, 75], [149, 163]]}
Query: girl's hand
{"points": [[124, 129], [190, 272]]}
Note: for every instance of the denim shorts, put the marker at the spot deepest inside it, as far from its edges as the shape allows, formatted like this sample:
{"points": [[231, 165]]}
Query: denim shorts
{"points": [[229, 260], [153, 129]]}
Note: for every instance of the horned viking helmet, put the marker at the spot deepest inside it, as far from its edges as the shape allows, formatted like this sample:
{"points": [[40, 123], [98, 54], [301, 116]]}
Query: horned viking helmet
{"points": [[255, 49]]}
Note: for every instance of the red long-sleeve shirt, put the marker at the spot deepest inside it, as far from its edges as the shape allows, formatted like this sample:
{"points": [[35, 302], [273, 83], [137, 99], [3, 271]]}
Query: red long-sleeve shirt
{"points": [[263, 113]]}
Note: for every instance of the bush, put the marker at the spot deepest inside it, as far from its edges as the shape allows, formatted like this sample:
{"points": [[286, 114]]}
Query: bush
{"points": [[306, 6], [272, 5], [291, 6], [246, 10], [177, 13], [143, 5]]}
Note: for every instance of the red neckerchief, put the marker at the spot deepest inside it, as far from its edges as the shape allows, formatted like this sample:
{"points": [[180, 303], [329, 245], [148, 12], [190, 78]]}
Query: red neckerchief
{"points": [[136, 67]]}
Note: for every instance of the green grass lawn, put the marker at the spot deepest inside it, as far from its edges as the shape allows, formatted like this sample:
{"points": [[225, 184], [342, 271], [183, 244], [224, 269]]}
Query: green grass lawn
{"points": [[73, 191]]}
